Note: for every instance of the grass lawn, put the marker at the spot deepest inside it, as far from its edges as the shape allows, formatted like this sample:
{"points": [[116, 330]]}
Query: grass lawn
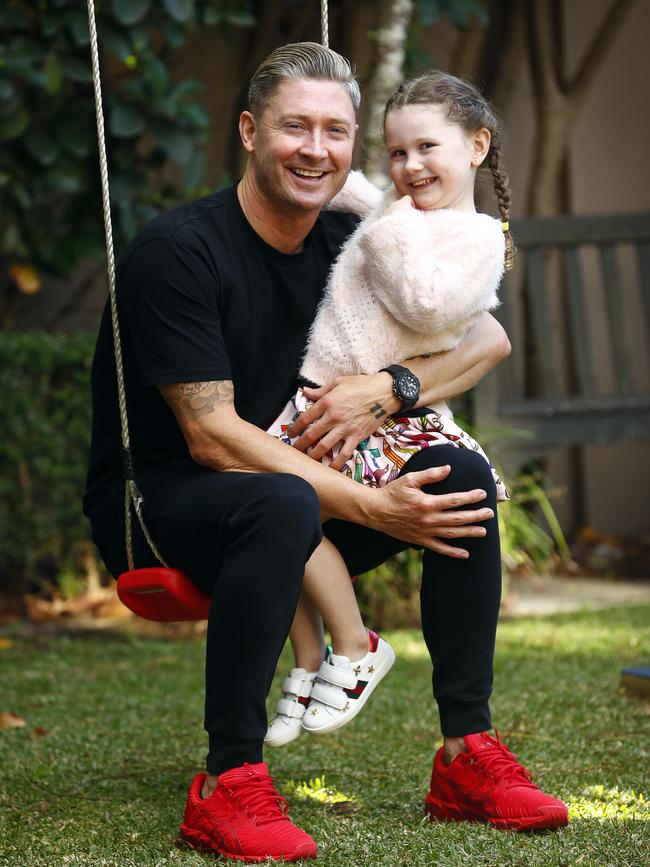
{"points": [[114, 734]]}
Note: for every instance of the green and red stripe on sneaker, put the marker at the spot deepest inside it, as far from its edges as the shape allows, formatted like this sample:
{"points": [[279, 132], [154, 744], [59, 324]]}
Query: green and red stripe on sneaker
{"points": [[342, 686]]}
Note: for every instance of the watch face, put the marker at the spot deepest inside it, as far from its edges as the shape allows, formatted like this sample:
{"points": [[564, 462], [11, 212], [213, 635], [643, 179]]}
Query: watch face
{"points": [[408, 386]]}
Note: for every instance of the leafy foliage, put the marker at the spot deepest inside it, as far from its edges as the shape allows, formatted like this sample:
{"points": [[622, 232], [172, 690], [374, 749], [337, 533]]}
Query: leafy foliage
{"points": [[459, 11], [44, 437], [50, 212], [526, 541], [429, 12]]}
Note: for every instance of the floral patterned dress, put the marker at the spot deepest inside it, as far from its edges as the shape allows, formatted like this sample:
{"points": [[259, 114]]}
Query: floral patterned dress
{"points": [[380, 458]]}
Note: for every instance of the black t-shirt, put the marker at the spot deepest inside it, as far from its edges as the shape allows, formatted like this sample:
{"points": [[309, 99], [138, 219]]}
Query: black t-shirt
{"points": [[202, 297]]}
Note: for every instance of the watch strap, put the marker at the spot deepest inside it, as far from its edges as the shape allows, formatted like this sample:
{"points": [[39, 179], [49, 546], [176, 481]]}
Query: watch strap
{"points": [[395, 370]]}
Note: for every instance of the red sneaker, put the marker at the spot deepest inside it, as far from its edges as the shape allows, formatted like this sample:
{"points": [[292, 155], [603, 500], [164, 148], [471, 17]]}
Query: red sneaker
{"points": [[486, 784], [244, 818]]}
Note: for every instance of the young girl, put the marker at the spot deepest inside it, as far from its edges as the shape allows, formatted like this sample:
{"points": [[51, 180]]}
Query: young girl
{"points": [[411, 280]]}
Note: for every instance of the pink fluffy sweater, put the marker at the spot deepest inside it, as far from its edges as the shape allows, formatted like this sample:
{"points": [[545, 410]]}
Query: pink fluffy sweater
{"points": [[404, 284]]}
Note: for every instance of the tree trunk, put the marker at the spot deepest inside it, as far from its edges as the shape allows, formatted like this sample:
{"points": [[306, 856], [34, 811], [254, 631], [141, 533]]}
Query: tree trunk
{"points": [[504, 50], [394, 19], [466, 56], [559, 99], [549, 155]]}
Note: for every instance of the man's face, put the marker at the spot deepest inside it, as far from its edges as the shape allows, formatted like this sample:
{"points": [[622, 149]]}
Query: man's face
{"points": [[301, 145]]}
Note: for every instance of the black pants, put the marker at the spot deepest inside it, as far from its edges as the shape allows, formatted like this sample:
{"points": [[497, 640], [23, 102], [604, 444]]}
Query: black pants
{"points": [[245, 537], [459, 599]]}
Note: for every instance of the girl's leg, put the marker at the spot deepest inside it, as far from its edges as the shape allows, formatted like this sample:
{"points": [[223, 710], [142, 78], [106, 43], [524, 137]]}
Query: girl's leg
{"points": [[327, 595], [360, 659], [329, 589], [306, 635]]}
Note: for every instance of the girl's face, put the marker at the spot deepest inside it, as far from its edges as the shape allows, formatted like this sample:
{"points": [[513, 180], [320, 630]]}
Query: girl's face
{"points": [[432, 159]]}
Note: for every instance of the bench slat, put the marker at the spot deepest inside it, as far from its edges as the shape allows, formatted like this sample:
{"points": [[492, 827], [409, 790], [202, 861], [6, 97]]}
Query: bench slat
{"points": [[549, 433], [596, 229], [579, 336], [511, 374], [644, 271], [616, 311], [545, 334], [595, 420]]}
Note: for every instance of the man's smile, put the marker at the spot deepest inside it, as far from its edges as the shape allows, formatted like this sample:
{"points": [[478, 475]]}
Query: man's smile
{"points": [[307, 173]]}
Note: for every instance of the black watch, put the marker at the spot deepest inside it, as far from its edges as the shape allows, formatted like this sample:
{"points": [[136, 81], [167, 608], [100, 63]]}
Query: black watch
{"points": [[406, 385]]}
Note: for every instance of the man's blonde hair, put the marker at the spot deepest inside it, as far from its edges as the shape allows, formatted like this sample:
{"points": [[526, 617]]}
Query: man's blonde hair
{"points": [[301, 60]]}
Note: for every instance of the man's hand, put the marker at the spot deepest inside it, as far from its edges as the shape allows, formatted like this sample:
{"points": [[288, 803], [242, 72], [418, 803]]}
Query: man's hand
{"points": [[346, 411], [406, 512], [350, 408]]}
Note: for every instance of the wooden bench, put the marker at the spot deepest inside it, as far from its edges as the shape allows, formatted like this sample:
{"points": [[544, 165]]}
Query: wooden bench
{"points": [[577, 310]]}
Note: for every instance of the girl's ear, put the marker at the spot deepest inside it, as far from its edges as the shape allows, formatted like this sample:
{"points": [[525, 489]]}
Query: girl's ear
{"points": [[480, 145]]}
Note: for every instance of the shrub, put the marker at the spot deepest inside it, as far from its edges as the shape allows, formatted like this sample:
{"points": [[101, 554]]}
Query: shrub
{"points": [[44, 440]]}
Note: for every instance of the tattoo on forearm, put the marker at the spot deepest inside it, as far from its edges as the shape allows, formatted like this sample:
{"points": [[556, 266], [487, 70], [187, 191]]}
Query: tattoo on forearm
{"points": [[196, 399], [377, 410]]}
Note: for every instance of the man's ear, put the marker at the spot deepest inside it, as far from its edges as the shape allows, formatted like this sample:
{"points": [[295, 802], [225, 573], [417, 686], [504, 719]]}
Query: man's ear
{"points": [[247, 130], [480, 145]]}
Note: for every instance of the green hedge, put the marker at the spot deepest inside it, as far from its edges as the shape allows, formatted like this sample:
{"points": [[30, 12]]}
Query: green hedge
{"points": [[44, 439]]}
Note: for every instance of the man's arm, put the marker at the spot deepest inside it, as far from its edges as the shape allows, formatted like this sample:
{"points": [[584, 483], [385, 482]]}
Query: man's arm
{"points": [[217, 437], [351, 408]]}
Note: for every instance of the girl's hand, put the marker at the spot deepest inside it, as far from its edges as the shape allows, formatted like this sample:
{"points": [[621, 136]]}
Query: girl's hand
{"points": [[403, 204], [343, 413]]}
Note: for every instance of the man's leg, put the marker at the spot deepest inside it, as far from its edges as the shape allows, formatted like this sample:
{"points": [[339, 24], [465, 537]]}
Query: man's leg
{"points": [[245, 537], [474, 776], [460, 604], [459, 598]]}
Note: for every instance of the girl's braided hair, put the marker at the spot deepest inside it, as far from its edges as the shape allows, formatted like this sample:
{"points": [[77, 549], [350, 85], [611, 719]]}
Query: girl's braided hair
{"points": [[467, 107]]}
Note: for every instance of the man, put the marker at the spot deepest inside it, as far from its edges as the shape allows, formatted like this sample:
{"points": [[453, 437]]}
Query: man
{"points": [[216, 299]]}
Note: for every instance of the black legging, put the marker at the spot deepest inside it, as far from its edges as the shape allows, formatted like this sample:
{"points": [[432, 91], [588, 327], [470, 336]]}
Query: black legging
{"points": [[247, 537]]}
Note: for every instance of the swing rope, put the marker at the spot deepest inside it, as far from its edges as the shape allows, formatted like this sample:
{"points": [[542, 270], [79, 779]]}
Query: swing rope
{"points": [[132, 496], [131, 493], [324, 26]]}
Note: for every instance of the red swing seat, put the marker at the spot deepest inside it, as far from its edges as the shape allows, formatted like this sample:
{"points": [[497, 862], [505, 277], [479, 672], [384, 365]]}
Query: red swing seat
{"points": [[162, 594]]}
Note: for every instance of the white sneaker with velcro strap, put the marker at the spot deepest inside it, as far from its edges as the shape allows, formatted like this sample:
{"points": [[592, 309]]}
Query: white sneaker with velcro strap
{"points": [[343, 687], [286, 724]]}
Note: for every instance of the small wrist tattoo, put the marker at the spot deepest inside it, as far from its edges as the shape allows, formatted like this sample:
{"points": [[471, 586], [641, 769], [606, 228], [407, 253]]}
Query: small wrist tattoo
{"points": [[377, 410]]}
